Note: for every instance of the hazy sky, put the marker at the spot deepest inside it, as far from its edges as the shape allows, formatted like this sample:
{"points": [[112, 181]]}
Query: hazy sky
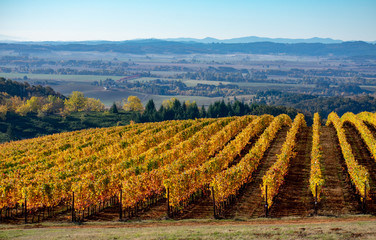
{"points": [[130, 19]]}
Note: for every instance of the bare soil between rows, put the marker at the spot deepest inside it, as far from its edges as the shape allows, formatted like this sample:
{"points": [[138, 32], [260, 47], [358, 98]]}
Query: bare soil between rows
{"points": [[364, 158], [249, 202], [294, 197], [337, 197]]}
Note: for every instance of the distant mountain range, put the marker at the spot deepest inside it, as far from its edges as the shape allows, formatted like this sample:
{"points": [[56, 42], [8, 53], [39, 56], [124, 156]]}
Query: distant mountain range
{"points": [[252, 39], [156, 46]]}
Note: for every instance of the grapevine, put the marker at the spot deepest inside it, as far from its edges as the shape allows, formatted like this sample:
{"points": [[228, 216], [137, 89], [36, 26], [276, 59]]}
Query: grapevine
{"points": [[316, 178], [358, 174], [226, 183], [274, 177]]}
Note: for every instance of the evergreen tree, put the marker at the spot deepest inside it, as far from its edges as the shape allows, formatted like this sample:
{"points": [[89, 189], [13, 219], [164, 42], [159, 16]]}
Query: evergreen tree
{"points": [[150, 107], [114, 109], [150, 113], [192, 111], [203, 113]]}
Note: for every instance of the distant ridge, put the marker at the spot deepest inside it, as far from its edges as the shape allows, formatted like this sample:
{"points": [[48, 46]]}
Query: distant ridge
{"points": [[253, 39], [250, 39], [157, 46]]}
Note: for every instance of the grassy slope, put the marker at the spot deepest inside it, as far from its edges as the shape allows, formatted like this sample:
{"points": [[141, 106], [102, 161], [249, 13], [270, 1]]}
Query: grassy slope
{"points": [[316, 228]]}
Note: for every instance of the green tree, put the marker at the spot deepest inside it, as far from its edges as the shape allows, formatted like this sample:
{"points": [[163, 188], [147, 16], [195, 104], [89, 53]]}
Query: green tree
{"points": [[203, 113], [114, 108]]}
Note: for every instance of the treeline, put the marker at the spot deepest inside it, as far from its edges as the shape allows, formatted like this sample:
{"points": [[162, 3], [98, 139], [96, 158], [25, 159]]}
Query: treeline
{"points": [[22, 99], [51, 104], [25, 90], [173, 87], [174, 109], [323, 105]]}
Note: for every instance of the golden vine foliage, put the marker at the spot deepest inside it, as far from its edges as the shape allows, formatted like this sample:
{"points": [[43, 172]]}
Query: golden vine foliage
{"points": [[139, 186], [368, 117], [274, 177], [142, 186], [182, 186], [365, 133], [125, 177], [227, 182], [46, 170], [358, 174], [145, 159], [316, 178]]}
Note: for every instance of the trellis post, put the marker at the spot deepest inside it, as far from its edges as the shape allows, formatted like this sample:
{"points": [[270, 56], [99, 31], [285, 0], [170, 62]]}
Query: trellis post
{"points": [[266, 201], [73, 211], [215, 215], [25, 210], [120, 204], [316, 199], [168, 202]]}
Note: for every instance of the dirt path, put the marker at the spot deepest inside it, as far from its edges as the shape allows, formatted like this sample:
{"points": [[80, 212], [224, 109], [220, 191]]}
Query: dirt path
{"points": [[337, 195], [294, 197], [364, 158], [249, 202]]}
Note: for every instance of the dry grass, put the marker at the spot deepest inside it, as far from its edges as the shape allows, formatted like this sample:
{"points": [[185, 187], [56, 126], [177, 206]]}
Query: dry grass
{"points": [[287, 228]]}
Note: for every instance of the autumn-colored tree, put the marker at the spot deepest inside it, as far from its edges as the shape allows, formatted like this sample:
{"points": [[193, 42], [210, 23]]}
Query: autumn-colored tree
{"points": [[3, 112], [94, 105], [133, 103], [169, 103], [53, 105], [75, 103], [34, 104], [14, 103]]}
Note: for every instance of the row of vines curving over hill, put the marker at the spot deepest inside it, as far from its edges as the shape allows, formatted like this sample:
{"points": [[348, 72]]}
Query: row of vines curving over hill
{"points": [[174, 165]]}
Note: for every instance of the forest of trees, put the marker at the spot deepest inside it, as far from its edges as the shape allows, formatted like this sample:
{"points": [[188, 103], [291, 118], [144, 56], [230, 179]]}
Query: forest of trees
{"points": [[25, 90], [323, 105], [174, 109]]}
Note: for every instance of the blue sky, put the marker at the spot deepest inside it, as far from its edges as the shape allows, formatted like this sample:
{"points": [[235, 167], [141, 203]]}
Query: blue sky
{"points": [[38, 20]]}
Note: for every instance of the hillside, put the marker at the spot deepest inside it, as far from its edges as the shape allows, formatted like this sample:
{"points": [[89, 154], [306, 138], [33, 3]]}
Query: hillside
{"points": [[155, 46], [201, 168]]}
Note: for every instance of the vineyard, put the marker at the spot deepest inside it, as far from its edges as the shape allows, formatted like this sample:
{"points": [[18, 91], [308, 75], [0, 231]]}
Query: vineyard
{"points": [[250, 166]]}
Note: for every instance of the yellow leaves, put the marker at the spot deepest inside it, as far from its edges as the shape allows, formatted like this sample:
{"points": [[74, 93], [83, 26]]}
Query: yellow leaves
{"points": [[365, 133], [3, 112], [316, 178], [358, 174], [195, 178], [133, 103], [229, 181], [275, 175], [146, 158], [49, 168]]}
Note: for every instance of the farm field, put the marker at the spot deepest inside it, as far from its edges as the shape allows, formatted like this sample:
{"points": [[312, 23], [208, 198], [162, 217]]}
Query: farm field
{"points": [[66, 84], [226, 168]]}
